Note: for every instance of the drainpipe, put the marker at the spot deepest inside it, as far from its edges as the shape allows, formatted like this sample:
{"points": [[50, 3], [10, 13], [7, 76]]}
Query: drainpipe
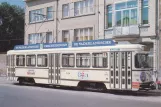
{"points": [[98, 20], [57, 4]]}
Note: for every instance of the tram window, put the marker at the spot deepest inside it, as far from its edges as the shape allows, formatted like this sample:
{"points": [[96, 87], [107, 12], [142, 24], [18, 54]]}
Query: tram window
{"points": [[117, 60], [42, 60], [123, 73], [123, 81], [111, 73], [7, 60], [83, 60], [141, 61], [117, 73], [68, 60], [31, 60], [117, 81], [99, 60], [129, 73], [12, 60], [112, 60], [123, 60], [111, 80], [129, 81], [20, 60]]}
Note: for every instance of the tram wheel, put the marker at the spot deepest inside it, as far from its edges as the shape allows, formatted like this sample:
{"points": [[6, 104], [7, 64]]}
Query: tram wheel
{"points": [[21, 82]]}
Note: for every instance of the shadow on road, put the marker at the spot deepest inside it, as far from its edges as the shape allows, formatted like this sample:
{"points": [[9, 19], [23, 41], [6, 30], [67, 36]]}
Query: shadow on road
{"points": [[121, 93]]}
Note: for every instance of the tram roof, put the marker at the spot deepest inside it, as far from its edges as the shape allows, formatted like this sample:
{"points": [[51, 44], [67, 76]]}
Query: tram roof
{"points": [[127, 47]]}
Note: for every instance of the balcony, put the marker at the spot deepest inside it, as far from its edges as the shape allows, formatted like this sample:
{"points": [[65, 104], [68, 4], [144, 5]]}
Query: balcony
{"points": [[127, 33]]}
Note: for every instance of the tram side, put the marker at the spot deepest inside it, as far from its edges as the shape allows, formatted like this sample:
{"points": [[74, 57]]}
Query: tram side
{"points": [[116, 67]]}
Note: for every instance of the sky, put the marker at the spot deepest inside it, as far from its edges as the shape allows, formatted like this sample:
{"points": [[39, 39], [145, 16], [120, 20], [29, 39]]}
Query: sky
{"points": [[15, 2]]}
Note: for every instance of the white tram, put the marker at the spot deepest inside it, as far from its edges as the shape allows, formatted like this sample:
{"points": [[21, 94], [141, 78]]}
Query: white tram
{"points": [[119, 67]]}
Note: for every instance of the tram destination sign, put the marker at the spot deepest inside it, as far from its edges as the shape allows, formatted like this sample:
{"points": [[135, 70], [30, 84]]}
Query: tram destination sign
{"points": [[55, 45], [27, 47], [91, 43]]}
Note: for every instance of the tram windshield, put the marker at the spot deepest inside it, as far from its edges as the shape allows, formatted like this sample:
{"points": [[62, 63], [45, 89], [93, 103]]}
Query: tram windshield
{"points": [[142, 61]]}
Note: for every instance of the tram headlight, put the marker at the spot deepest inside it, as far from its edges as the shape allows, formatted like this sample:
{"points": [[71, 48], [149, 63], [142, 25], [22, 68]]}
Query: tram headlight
{"points": [[143, 76]]}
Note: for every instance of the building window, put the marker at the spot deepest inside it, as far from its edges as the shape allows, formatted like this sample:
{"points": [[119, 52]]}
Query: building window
{"points": [[50, 13], [36, 16], [65, 36], [126, 18], [35, 38], [145, 12], [109, 16], [126, 13], [49, 37], [118, 18], [83, 34], [134, 16], [83, 7], [65, 10]]}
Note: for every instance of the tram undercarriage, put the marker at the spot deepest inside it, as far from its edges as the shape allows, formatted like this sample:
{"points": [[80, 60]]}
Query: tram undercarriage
{"points": [[87, 85]]}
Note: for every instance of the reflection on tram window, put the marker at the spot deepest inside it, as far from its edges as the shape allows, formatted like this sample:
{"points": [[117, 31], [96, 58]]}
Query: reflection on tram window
{"points": [[20, 60], [99, 60], [68, 60], [83, 60], [31, 60], [42, 60]]}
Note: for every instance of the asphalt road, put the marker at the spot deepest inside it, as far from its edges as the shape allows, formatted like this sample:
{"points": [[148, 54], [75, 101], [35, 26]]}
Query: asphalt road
{"points": [[12, 95]]}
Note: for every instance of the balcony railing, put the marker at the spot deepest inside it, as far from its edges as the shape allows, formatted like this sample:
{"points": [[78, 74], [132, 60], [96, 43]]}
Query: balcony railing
{"points": [[127, 31]]}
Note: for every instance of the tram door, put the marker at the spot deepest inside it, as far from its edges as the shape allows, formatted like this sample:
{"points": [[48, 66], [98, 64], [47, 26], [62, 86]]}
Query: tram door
{"points": [[11, 67], [120, 70], [54, 68]]}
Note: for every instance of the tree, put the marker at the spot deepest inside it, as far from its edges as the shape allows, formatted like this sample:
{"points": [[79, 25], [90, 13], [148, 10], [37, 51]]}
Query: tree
{"points": [[12, 26]]}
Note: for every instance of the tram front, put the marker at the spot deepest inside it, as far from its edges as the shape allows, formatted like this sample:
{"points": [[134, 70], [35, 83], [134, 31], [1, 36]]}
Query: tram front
{"points": [[143, 72]]}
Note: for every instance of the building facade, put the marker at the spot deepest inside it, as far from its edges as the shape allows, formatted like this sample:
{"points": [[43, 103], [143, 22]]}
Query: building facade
{"points": [[134, 21], [40, 21], [50, 21], [125, 21]]}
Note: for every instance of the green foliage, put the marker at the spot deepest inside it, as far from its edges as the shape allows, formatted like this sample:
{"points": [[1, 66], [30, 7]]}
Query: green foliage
{"points": [[12, 29]]}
